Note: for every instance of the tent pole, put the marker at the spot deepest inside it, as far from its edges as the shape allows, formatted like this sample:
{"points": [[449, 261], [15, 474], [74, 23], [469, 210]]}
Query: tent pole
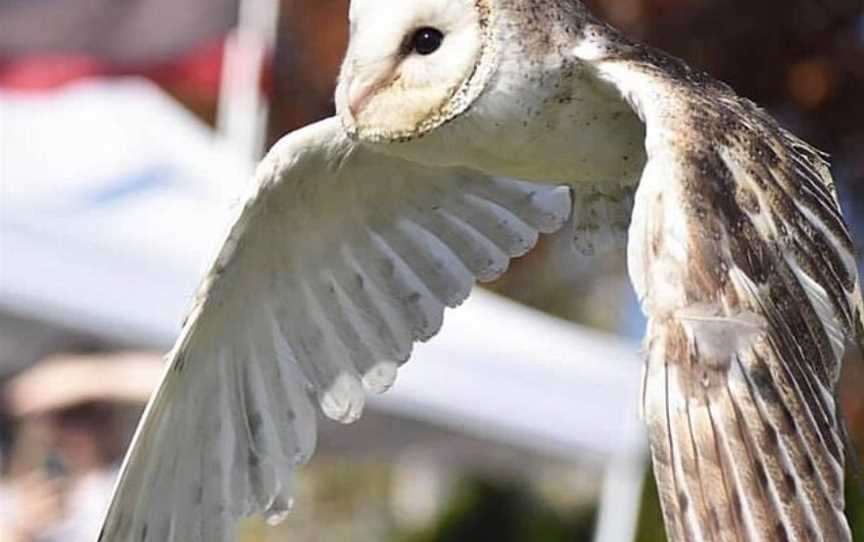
{"points": [[242, 117], [623, 482]]}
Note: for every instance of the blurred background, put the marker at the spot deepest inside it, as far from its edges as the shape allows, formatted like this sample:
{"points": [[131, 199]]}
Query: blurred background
{"points": [[127, 132]]}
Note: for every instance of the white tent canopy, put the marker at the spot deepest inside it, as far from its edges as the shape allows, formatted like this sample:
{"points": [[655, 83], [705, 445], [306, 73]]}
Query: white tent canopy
{"points": [[112, 199]]}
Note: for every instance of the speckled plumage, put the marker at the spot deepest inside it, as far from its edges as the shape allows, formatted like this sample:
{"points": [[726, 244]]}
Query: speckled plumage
{"points": [[746, 271], [361, 229]]}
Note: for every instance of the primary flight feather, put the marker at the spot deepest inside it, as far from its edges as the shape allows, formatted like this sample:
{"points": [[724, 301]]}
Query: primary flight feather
{"points": [[465, 129]]}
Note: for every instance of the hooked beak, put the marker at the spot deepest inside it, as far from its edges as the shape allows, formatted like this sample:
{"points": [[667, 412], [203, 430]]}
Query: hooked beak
{"points": [[363, 87]]}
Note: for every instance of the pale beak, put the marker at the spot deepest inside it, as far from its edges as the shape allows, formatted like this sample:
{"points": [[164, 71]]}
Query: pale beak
{"points": [[362, 89]]}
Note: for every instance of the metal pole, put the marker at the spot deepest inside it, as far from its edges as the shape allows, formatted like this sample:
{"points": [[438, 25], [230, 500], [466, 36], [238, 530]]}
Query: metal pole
{"points": [[621, 496], [242, 118]]}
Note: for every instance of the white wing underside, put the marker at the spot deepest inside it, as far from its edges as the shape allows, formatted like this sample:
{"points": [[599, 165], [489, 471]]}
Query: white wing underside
{"points": [[338, 263]]}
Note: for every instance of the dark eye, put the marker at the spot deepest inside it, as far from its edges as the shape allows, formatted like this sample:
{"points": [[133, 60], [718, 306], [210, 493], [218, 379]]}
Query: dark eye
{"points": [[426, 41]]}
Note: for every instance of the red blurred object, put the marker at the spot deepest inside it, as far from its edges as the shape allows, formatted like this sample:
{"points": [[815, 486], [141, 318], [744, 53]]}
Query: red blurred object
{"points": [[178, 45], [197, 71], [47, 71]]}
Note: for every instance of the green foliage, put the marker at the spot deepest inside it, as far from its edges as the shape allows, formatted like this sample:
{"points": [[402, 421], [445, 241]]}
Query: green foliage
{"points": [[490, 510], [855, 505], [650, 514]]}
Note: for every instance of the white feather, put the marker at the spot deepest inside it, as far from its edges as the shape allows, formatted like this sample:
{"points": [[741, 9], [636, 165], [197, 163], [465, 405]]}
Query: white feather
{"points": [[327, 278]]}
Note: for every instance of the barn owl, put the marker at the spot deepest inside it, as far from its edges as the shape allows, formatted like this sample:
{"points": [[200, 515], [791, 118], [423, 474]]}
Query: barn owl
{"points": [[464, 129]]}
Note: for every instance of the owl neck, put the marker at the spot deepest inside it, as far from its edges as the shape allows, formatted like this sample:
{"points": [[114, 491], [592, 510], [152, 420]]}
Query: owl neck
{"points": [[568, 127]]}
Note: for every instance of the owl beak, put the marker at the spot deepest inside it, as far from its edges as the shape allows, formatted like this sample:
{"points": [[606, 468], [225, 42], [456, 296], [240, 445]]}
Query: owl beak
{"points": [[359, 95], [362, 89]]}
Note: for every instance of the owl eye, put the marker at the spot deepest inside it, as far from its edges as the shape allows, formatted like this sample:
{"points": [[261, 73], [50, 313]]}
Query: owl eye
{"points": [[426, 41]]}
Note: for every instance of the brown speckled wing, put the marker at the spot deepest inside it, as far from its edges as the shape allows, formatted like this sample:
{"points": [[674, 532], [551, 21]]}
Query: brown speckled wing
{"points": [[745, 268]]}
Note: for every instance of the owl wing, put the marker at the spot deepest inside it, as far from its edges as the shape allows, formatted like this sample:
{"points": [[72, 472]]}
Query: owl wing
{"points": [[339, 261], [745, 269], [601, 215]]}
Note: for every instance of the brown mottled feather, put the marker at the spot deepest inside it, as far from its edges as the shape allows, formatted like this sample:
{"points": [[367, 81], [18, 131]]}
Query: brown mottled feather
{"points": [[745, 268]]}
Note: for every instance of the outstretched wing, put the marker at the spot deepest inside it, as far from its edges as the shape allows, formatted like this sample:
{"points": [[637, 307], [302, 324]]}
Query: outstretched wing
{"points": [[339, 261], [745, 269]]}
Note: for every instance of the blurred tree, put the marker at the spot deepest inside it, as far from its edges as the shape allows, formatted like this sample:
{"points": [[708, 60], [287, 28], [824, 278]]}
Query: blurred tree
{"points": [[312, 39]]}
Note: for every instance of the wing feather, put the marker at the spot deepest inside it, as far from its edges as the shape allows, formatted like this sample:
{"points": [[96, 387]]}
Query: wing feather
{"points": [[601, 215], [338, 262], [746, 270]]}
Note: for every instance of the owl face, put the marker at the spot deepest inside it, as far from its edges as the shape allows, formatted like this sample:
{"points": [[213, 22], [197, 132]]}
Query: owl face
{"points": [[411, 66]]}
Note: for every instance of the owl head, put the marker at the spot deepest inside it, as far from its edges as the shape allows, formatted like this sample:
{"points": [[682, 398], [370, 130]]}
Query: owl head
{"points": [[412, 66]]}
